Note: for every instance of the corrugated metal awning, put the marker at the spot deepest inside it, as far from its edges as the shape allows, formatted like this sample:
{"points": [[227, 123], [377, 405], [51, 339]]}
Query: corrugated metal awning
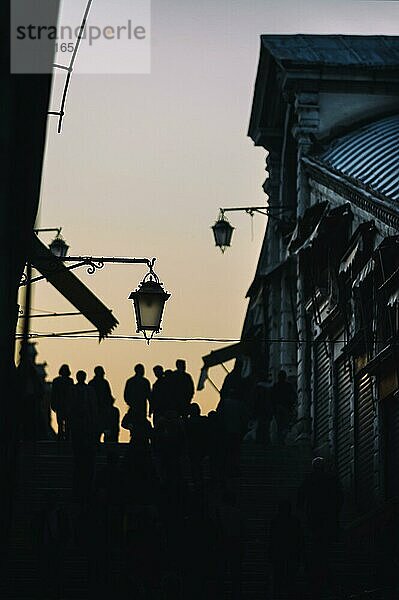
{"points": [[72, 288]]}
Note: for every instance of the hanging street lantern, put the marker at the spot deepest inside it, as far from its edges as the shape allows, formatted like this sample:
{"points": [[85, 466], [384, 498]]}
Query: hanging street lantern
{"points": [[222, 232], [59, 247], [148, 304]]}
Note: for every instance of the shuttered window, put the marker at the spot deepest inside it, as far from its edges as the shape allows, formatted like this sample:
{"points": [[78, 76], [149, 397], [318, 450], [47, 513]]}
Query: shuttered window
{"points": [[343, 439], [391, 426], [364, 448], [321, 392]]}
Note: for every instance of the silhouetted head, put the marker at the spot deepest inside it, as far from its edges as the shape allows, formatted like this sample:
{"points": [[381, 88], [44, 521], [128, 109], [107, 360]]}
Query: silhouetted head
{"points": [[168, 372], [99, 371], [31, 351], [284, 507], [282, 376], [81, 376], [158, 371], [212, 415], [181, 365], [139, 370], [194, 410], [318, 464], [64, 371]]}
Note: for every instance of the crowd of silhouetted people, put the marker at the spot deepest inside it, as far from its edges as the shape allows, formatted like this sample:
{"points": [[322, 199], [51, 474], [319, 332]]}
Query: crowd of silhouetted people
{"points": [[179, 539]]}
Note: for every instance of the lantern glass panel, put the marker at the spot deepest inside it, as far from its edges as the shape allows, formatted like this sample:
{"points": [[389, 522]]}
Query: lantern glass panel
{"points": [[150, 308], [222, 231], [149, 302], [59, 247]]}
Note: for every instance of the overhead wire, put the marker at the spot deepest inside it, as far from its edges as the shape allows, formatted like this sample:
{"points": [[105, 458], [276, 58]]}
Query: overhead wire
{"points": [[93, 334], [61, 112]]}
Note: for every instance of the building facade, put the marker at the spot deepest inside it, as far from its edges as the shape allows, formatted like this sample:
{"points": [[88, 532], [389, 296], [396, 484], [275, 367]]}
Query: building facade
{"points": [[324, 300]]}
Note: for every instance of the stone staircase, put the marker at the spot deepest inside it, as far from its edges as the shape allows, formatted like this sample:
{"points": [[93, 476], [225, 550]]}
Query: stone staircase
{"points": [[44, 467], [266, 475], [273, 474]]}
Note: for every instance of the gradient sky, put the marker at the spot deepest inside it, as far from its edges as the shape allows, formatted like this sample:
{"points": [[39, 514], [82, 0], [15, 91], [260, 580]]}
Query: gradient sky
{"points": [[145, 161]]}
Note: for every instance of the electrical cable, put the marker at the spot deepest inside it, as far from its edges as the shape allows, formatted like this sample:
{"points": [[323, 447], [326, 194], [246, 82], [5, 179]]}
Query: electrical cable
{"points": [[47, 315], [61, 112], [93, 334]]}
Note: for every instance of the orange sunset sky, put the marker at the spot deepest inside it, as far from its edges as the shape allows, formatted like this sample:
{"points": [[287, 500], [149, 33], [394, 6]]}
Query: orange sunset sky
{"points": [[145, 161]]}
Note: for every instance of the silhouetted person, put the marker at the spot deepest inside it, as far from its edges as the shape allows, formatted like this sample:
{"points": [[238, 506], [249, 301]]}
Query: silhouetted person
{"points": [[142, 433], [231, 385], [61, 400], [171, 401], [202, 536], [215, 450], [32, 392], [233, 417], [233, 528], [143, 552], [46, 430], [140, 482], [112, 429], [286, 549], [84, 431], [196, 435], [54, 531], [263, 410], [108, 480], [104, 397], [284, 399], [169, 446], [183, 387], [158, 402], [137, 393], [320, 498], [109, 488]]}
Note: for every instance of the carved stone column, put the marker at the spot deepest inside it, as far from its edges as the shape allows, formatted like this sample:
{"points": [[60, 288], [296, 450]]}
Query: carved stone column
{"points": [[307, 122], [272, 189]]}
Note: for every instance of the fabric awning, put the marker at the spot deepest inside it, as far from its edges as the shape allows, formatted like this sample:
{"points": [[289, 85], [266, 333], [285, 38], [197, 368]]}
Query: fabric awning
{"points": [[265, 276], [367, 270], [217, 357], [307, 227], [393, 299], [347, 261], [72, 288]]}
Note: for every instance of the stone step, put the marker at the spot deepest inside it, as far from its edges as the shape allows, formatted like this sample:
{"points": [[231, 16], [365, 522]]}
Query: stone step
{"points": [[265, 475]]}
